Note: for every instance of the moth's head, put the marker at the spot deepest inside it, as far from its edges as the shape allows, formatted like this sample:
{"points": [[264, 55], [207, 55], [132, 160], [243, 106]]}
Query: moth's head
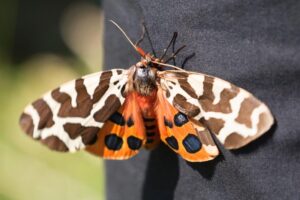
{"points": [[145, 68]]}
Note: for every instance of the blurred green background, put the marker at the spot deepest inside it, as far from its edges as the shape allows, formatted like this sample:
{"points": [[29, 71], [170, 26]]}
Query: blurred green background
{"points": [[44, 43]]}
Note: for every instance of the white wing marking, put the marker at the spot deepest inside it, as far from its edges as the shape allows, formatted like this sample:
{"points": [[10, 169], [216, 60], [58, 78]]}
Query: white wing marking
{"points": [[91, 82], [69, 89], [217, 89]]}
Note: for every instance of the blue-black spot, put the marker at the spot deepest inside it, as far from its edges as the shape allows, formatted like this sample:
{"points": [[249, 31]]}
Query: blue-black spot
{"points": [[172, 142], [134, 143], [130, 122], [113, 142], [191, 143], [168, 123], [117, 118], [180, 119]]}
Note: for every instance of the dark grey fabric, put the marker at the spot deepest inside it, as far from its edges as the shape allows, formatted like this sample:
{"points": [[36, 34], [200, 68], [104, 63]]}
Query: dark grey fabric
{"points": [[254, 44]]}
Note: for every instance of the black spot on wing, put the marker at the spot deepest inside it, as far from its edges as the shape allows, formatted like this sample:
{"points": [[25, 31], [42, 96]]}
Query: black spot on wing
{"points": [[117, 118], [130, 122], [134, 143], [172, 142], [119, 71], [180, 119], [168, 123], [113, 142], [191, 143]]}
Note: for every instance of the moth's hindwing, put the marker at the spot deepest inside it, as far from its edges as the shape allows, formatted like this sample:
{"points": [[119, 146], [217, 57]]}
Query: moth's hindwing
{"points": [[70, 117], [123, 134], [187, 137], [230, 112]]}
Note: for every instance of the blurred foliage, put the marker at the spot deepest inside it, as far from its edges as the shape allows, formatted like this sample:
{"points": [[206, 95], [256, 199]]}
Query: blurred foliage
{"points": [[7, 25], [28, 170]]}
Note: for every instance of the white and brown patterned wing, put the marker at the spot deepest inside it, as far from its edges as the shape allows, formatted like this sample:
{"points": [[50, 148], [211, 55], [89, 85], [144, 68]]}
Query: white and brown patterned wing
{"points": [[69, 117], [230, 112]]}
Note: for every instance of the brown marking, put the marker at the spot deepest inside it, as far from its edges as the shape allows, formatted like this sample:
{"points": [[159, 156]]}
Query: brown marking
{"points": [[246, 109], [83, 100], [89, 134], [203, 133], [84, 103], [264, 122], [103, 86], [234, 140], [180, 75], [167, 92], [187, 88], [54, 143], [45, 114], [90, 137], [73, 130], [123, 92], [112, 104], [207, 98], [205, 137], [180, 102], [26, 124], [215, 125], [173, 82], [119, 71]]}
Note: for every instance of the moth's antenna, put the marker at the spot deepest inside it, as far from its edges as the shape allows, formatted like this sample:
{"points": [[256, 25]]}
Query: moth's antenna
{"points": [[138, 49], [168, 65]]}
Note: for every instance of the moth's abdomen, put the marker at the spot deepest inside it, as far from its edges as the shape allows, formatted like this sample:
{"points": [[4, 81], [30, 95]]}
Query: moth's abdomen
{"points": [[147, 106], [152, 133]]}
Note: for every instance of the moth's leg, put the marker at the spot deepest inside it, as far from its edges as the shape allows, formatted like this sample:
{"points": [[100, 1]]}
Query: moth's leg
{"points": [[173, 56], [173, 52], [170, 43], [186, 59], [145, 32]]}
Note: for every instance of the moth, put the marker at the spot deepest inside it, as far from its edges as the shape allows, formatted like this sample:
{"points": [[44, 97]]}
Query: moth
{"points": [[115, 113]]}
